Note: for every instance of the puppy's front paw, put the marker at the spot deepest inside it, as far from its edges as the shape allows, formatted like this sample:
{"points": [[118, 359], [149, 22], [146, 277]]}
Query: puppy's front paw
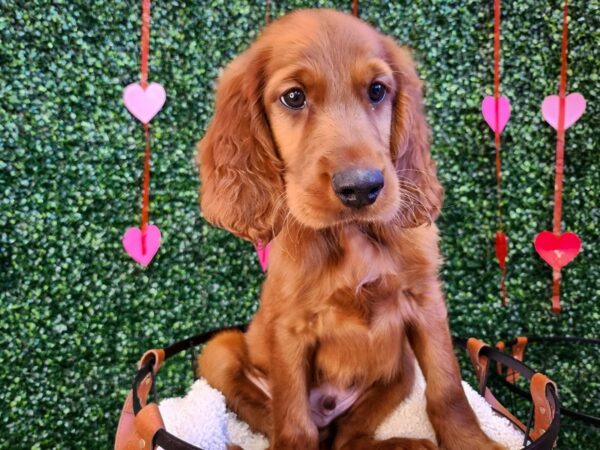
{"points": [[399, 444], [295, 440], [408, 444], [296, 444], [472, 443], [426, 444], [494, 446]]}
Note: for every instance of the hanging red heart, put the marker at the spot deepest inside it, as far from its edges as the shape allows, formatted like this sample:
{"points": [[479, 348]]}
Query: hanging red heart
{"points": [[501, 248], [558, 251]]}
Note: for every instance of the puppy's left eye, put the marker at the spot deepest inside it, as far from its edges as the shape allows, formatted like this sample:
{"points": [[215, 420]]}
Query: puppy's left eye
{"points": [[376, 92], [294, 98]]}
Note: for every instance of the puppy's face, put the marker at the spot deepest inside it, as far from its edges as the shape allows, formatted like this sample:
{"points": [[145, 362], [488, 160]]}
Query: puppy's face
{"points": [[321, 119], [329, 101]]}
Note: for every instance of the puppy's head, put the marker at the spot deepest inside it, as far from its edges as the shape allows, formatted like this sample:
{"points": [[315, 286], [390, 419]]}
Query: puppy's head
{"points": [[321, 118]]}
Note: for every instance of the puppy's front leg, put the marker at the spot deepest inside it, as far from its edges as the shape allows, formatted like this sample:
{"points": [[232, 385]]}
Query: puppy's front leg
{"points": [[356, 429], [452, 418], [293, 429]]}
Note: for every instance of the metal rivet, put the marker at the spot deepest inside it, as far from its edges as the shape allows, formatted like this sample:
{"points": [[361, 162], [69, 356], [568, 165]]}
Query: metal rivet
{"points": [[542, 410], [542, 431], [142, 443]]}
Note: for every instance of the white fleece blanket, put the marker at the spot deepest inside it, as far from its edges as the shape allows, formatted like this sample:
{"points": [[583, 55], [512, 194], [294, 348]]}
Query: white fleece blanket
{"points": [[202, 419]]}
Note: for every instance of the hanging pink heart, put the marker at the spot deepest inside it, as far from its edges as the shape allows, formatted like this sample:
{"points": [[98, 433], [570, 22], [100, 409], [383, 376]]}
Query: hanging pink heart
{"points": [[144, 104], [574, 109], [488, 109], [263, 252], [142, 253], [558, 251]]}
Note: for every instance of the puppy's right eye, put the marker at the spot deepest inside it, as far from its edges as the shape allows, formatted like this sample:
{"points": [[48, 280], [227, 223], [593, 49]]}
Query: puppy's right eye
{"points": [[293, 98]]}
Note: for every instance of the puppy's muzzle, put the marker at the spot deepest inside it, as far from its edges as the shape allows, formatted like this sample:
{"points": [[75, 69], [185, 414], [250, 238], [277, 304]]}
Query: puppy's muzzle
{"points": [[357, 187]]}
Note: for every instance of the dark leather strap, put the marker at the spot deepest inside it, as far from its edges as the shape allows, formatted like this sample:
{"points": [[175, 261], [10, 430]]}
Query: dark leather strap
{"points": [[169, 442]]}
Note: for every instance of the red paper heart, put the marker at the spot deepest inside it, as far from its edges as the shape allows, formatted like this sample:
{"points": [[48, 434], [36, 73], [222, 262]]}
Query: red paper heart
{"points": [[501, 248], [558, 251]]}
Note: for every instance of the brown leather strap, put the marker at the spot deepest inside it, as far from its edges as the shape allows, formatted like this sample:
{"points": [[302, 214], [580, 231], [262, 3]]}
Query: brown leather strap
{"points": [[127, 436], [147, 422], [500, 346], [159, 357], [137, 432], [480, 362], [497, 406], [146, 429], [144, 389], [518, 352], [543, 412]]}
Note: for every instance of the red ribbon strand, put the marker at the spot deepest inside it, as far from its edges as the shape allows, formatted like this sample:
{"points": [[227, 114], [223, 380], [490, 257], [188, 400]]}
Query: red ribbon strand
{"points": [[267, 12], [145, 45], [501, 240], [560, 153], [145, 53]]}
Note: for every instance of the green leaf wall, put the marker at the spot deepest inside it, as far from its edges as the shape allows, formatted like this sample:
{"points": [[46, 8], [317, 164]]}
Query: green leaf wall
{"points": [[76, 312]]}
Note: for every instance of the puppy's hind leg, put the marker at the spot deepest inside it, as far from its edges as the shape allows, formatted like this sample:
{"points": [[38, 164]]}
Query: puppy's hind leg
{"points": [[225, 365]]}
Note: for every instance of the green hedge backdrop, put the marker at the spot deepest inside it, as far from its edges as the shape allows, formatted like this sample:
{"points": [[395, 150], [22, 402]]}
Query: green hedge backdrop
{"points": [[76, 312]]}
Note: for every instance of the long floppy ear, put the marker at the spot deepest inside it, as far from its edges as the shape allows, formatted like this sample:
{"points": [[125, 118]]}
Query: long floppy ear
{"points": [[241, 175], [419, 186]]}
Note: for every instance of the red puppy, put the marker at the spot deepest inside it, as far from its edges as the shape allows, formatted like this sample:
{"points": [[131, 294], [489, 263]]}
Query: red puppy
{"points": [[319, 144]]}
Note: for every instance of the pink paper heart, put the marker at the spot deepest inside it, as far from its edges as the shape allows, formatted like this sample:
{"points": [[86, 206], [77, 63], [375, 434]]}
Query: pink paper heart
{"points": [[132, 242], [488, 109], [144, 104], [263, 252], [558, 251], [574, 108]]}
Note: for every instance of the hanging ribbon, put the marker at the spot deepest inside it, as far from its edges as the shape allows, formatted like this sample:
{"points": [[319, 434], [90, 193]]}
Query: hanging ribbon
{"points": [[496, 112], [561, 111], [267, 12], [355, 8], [144, 101]]}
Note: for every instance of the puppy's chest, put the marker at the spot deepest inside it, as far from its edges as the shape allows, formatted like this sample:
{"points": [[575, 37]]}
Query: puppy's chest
{"points": [[359, 338], [363, 261], [357, 315]]}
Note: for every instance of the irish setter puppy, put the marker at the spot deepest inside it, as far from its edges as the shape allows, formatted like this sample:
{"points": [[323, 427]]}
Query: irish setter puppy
{"points": [[319, 144]]}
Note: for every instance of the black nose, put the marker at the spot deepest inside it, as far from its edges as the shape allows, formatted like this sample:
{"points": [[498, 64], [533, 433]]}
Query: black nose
{"points": [[358, 187]]}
